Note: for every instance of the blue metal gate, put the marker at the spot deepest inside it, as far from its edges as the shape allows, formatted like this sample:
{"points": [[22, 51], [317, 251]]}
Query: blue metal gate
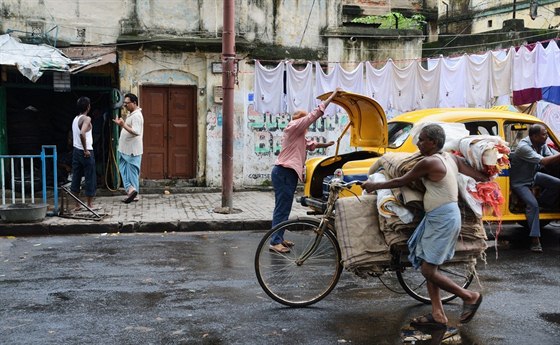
{"points": [[19, 170]]}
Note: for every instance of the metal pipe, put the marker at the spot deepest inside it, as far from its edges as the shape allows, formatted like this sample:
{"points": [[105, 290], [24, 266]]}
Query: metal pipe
{"points": [[32, 180], [22, 180], [3, 182], [55, 179], [228, 82]]}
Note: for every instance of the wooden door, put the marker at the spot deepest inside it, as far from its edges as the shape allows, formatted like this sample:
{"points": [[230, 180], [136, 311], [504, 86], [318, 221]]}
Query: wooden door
{"points": [[169, 131], [181, 139]]}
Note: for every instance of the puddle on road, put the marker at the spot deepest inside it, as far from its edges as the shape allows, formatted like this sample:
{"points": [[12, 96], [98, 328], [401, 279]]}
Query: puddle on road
{"points": [[413, 336]]}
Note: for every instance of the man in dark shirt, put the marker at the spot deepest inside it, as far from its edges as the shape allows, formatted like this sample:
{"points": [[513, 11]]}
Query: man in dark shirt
{"points": [[531, 154]]}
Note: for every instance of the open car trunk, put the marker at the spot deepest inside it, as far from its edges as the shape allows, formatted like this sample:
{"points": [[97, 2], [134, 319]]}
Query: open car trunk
{"points": [[368, 134]]}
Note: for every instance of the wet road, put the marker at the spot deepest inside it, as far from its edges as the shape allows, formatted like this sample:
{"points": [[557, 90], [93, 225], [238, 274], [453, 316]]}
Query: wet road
{"points": [[200, 288]]}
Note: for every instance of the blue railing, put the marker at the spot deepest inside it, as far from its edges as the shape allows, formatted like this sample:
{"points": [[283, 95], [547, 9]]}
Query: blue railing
{"points": [[9, 165]]}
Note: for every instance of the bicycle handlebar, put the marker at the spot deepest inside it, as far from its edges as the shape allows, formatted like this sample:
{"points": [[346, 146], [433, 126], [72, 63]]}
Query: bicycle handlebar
{"points": [[342, 184]]}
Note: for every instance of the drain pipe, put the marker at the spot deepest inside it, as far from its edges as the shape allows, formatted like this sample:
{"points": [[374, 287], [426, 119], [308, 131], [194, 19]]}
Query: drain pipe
{"points": [[396, 21]]}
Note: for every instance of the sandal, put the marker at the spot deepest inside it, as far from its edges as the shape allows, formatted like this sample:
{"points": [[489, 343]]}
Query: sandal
{"points": [[130, 197], [427, 321], [469, 310], [536, 248], [287, 243], [278, 248]]}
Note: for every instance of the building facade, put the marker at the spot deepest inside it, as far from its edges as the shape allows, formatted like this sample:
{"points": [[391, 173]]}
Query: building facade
{"points": [[169, 54]]}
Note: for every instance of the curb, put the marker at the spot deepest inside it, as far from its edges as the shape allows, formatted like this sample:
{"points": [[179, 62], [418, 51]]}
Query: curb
{"points": [[41, 229]]}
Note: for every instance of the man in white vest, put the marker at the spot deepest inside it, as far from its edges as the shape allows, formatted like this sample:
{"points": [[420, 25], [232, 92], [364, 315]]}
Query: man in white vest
{"points": [[83, 159]]}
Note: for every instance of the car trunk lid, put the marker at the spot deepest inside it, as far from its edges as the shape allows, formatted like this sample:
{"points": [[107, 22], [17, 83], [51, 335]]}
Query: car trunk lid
{"points": [[367, 120]]}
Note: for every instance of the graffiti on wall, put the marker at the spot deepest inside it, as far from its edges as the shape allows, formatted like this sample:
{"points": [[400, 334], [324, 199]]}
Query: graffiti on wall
{"points": [[214, 122], [267, 130], [263, 140]]}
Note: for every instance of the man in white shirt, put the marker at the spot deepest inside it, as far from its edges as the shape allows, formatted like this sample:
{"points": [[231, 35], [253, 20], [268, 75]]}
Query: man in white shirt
{"points": [[131, 146]]}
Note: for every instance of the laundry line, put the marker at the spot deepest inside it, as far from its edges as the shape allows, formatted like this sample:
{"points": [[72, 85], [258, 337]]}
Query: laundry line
{"points": [[469, 80]]}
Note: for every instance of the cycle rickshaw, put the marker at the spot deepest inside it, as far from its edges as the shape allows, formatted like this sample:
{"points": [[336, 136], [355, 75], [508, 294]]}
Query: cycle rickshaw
{"points": [[312, 268]]}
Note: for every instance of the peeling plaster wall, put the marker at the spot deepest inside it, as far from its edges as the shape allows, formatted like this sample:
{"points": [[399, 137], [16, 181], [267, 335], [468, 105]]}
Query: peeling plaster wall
{"points": [[214, 126], [169, 16], [342, 49], [280, 22], [287, 22], [100, 19], [283, 23]]}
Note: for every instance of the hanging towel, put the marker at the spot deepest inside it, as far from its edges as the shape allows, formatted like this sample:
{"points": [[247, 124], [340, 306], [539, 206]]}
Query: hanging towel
{"points": [[403, 87], [428, 86], [502, 63], [479, 80], [376, 84], [548, 65], [525, 69], [299, 88], [452, 83], [352, 81], [269, 88], [325, 83]]}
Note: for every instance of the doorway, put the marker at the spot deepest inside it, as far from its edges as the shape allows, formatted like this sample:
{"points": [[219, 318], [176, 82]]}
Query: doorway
{"points": [[169, 132]]}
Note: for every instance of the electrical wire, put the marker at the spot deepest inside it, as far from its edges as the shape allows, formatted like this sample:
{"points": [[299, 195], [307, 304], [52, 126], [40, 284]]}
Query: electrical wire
{"points": [[307, 23]]}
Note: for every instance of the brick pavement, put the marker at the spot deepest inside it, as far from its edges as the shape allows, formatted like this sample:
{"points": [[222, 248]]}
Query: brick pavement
{"points": [[161, 212]]}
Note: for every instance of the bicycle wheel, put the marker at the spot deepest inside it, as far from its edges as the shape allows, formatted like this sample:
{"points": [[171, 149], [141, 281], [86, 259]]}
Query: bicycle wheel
{"points": [[414, 283], [291, 282]]}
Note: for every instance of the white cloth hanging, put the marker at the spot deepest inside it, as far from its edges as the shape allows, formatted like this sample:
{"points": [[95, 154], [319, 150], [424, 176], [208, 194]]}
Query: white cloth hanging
{"points": [[525, 67], [502, 64], [376, 84], [352, 81], [269, 88], [403, 87], [325, 83], [548, 65], [479, 80], [299, 88], [452, 82], [428, 85]]}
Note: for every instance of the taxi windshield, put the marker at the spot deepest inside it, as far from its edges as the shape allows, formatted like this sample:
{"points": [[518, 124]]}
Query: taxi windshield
{"points": [[398, 133]]}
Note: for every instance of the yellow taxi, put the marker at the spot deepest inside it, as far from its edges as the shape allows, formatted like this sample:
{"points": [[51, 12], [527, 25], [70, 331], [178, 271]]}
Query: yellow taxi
{"points": [[372, 135]]}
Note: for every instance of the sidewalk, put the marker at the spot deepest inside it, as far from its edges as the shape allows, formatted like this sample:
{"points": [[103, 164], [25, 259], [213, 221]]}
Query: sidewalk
{"points": [[161, 212]]}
